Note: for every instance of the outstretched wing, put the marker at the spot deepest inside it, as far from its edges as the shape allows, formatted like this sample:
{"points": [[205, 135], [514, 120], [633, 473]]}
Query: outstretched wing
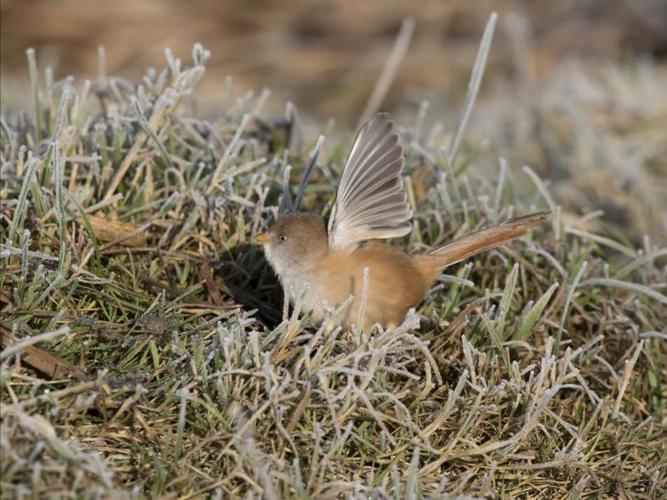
{"points": [[371, 202]]}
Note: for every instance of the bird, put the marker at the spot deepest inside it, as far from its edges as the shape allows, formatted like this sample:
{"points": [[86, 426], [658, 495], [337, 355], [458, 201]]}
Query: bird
{"points": [[322, 263]]}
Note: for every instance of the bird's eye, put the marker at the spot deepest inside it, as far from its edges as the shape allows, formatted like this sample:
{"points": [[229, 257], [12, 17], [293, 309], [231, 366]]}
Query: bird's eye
{"points": [[283, 237]]}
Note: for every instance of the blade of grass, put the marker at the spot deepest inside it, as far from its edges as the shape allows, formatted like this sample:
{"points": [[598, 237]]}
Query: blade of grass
{"points": [[531, 317], [389, 71], [473, 87], [34, 83]]}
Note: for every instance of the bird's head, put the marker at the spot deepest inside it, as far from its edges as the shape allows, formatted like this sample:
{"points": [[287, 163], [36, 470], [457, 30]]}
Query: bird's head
{"points": [[295, 243]]}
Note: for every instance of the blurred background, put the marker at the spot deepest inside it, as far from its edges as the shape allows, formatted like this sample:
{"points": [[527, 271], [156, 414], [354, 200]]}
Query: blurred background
{"points": [[326, 56], [575, 88]]}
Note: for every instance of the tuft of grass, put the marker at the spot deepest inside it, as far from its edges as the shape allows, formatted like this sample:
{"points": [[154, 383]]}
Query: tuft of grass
{"points": [[126, 254]]}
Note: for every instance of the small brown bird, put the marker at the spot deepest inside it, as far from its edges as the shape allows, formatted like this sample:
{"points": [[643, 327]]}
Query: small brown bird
{"points": [[323, 265]]}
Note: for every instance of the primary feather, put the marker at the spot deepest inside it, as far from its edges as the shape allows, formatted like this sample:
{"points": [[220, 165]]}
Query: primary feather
{"points": [[371, 202]]}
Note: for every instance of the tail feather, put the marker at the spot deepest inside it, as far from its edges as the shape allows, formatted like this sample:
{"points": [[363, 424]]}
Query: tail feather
{"points": [[479, 241]]}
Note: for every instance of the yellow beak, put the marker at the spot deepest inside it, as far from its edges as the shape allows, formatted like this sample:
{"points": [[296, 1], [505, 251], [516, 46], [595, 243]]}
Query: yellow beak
{"points": [[263, 238]]}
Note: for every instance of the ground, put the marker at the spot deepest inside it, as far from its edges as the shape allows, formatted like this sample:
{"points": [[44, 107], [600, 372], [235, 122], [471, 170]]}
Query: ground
{"points": [[147, 352]]}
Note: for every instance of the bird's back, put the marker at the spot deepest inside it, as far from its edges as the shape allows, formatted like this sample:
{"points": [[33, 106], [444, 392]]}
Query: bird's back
{"points": [[395, 282]]}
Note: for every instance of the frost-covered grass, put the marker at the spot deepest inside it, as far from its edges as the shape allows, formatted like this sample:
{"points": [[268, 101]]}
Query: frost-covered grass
{"points": [[146, 351]]}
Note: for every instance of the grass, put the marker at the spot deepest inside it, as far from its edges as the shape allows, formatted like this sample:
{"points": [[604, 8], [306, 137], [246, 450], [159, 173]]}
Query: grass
{"points": [[147, 353]]}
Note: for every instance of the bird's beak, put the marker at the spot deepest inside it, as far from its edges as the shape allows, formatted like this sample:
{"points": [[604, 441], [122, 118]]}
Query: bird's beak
{"points": [[263, 238]]}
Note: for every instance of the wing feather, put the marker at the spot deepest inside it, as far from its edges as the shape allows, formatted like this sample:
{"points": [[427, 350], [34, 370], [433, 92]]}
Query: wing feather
{"points": [[371, 202]]}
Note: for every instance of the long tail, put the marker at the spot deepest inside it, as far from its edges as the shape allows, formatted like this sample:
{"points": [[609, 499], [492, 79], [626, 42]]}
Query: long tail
{"points": [[478, 242]]}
